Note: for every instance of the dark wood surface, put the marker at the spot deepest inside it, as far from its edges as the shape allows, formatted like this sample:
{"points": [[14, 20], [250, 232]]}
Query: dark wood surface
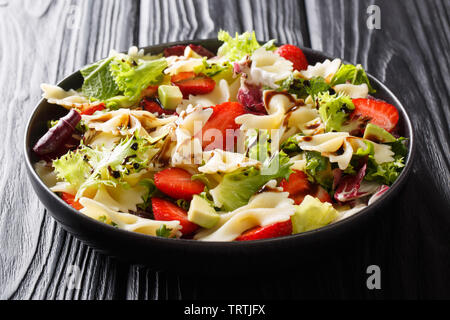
{"points": [[43, 41]]}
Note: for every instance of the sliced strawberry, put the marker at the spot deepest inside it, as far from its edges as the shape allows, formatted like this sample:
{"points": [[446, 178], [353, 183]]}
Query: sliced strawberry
{"points": [[299, 187], [275, 230], [200, 84], [379, 112], [89, 111], [164, 210], [222, 120], [153, 106], [181, 76], [151, 92], [295, 55], [177, 183], [70, 200]]}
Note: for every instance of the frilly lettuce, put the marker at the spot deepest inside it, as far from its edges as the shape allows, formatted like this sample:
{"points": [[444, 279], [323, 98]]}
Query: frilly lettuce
{"points": [[236, 188], [352, 74], [237, 48], [318, 169], [334, 110], [87, 167]]}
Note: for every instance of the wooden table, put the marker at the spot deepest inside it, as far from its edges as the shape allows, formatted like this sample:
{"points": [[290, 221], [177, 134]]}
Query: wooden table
{"points": [[43, 41]]}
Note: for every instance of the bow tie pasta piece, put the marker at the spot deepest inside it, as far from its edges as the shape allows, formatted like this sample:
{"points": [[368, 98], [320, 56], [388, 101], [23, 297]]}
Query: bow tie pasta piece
{"points": [[222, 161], [263, 209], [125, 121], [353, 91], [326, 70], [119, 198], [126, 221], [279, 104], [268, 68], [68, 99], [222, 93]]}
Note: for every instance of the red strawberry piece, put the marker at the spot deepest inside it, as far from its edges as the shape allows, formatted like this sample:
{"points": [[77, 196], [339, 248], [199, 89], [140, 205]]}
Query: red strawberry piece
{"points": [[70, 200], [153, 106], [151, 92], [89, 111], [379, 112], [196, 85], [275, 230], [298, 187], [222, 121], [177, 183], [174, 51], [295, 55], [164, 210]]}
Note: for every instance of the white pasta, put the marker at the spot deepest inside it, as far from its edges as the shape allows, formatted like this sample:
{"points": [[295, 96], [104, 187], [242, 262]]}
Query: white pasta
{"points": [[125, 121], [353, 91], [119, 198], [126, 221], [182, 64], [343, 160], [67, 99], [326, 70], [262, 210], [223, 92], [268, 68], [277, 108], [323, 143], [221, 161]]}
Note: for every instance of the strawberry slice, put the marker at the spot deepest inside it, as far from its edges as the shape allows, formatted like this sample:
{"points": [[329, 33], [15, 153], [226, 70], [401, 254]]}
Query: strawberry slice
{"points": [[222, 120], [153, 106], [295, 55], [90, 110], [177, 183], [298, 187], [151, 92], [279, 229], [379, 112], [191, 84], [70, 200], [164, 210]]}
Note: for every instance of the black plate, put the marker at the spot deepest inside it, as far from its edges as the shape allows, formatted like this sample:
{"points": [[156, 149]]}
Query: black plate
{"points": [[195, 256]]}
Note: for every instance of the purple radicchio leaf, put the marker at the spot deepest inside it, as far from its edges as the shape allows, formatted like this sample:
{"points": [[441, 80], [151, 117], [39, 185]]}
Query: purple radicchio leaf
{"points": [[251, 97], [348, 188], [57, 135], [380, 191]]}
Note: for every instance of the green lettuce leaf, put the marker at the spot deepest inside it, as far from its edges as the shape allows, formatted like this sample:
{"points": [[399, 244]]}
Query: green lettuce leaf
{"points": [[334, 110], [352, 74], [132, 77], [303, 88], [87, 167], [318, 169], [98, 82], [234, 49], [236, 188]]}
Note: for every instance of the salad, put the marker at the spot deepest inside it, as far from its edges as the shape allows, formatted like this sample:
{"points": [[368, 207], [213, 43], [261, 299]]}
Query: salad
{"points": [[247, 143]]}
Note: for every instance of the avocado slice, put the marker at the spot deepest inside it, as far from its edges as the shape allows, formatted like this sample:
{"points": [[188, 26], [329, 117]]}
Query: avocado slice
{"points": [[313, 214], [377, 134], [201, 213], [170, 96]]}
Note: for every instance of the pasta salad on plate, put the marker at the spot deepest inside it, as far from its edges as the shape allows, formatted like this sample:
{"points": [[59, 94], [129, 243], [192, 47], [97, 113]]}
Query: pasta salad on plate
{"points": [[248, 143]]}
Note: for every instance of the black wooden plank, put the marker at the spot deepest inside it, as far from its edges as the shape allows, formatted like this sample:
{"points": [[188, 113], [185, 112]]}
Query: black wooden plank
{"points": [[410, 53], [43, 41]]}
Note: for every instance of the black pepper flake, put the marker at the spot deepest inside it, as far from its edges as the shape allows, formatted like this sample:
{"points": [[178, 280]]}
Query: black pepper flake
{"points": [[135, 146], [136, 166], [116, 174]]}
